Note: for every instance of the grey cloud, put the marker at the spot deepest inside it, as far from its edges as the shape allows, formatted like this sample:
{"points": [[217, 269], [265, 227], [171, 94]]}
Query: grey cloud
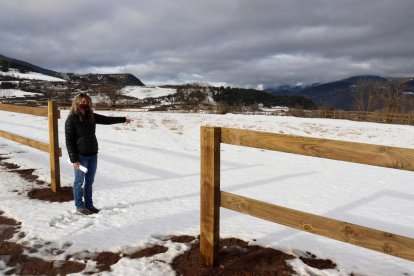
{"points": [[243, 43]]}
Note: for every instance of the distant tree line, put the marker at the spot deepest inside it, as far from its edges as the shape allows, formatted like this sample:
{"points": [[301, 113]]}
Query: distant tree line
{"points": [[240, 96], [196, 93], [6, 65], [389, 96]]}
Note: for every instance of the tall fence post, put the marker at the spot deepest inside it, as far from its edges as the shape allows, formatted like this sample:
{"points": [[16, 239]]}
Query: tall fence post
{"points": [[53, 116], [210, 194]]}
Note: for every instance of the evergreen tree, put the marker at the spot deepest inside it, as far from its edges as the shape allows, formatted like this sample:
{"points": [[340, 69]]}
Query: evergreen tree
{"points": [[5, 66]]}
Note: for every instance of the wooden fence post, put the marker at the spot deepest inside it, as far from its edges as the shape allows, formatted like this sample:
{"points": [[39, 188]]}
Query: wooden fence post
{"points": [[210, 194], [53, 116]]}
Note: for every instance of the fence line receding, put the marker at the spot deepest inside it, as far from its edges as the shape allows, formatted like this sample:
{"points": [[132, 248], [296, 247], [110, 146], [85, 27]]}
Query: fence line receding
{"points": [[53, 114], [211, 198]]}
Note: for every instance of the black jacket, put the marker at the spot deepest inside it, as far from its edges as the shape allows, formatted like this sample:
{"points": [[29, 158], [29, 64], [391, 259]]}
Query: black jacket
{"points": [[80, 134]]}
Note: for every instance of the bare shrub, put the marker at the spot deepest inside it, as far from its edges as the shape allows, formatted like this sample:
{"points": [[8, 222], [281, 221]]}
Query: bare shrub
{"points": [[367, 94], [172, 125]]}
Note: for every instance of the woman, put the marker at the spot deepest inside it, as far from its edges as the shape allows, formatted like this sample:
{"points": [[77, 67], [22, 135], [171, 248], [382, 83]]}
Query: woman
{"points": [[82, 147]]}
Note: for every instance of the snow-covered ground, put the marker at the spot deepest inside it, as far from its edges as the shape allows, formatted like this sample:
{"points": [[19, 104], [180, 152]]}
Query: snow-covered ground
{"points": [[13, 93], [30, 76], [142, 92], [148, 177]]}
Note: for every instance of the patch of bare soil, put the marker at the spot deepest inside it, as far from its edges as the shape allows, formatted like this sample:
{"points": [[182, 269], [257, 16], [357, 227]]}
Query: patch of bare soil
{"points": [[27, 174], [313, 261], [18, 263], [104, 260], [148, 252], [183, 239], [236, 258], [65, 194]]}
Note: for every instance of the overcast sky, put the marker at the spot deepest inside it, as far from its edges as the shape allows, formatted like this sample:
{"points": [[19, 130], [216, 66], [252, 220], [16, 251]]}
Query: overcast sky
{"points": [[239, 43]]}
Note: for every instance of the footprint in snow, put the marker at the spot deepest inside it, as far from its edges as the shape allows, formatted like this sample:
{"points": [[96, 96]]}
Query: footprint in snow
{"points": [[71, 217], [113, 210]]}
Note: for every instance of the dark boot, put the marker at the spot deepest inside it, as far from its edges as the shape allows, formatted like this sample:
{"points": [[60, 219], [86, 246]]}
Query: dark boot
{"points": [[93, 210]]}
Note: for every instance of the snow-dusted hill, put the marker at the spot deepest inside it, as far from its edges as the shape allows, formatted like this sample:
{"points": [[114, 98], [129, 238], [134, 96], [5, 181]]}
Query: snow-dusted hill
{"points": [[139, 92], [30, 76]]}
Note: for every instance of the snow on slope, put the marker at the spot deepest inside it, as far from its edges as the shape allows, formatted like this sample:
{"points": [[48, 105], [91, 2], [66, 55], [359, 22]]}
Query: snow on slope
{"points": [[30, 76], [142, 92], [148, 186], [13, 93]]}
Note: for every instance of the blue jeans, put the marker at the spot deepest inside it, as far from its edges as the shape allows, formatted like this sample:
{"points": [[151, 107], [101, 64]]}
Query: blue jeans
{"points": [[91, 163]]}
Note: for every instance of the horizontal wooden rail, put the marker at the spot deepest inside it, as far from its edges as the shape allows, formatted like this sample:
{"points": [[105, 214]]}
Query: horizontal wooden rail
{"points": [[27, 141], [365, 113], [53, 114], [373, 239], [36, 111], [383, 156], [404, 118]]}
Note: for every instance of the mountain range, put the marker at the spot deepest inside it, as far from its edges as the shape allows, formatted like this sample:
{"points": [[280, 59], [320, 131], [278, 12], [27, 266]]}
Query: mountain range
{"points": [[337, 94], [124, 78], [23, 65]]}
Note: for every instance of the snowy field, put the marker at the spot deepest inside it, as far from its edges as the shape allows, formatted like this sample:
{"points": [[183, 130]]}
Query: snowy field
{"points": [[147, 185], [142, 92], [13, 93]]}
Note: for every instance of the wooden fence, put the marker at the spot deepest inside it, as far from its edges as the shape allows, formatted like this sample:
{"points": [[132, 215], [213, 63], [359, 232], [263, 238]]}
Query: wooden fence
{"points": [[52, 147], [211, 198], [379, 117]]}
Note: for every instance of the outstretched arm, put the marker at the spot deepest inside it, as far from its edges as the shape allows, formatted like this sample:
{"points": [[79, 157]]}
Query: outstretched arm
{"points": [[107, 120]]}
